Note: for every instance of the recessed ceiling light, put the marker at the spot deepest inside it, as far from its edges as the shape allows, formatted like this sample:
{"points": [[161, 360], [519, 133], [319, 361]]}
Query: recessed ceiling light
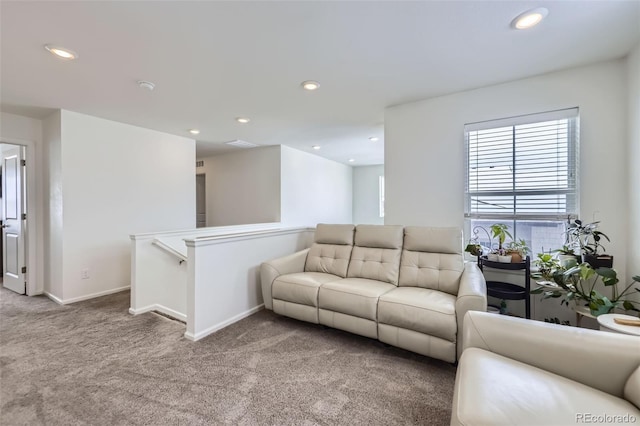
{"points": [[351, 160], [61, 52], [194, 131], [146, 85], [374, 139], [529, 19], [316, 147], [243, 120], [310, 85]]}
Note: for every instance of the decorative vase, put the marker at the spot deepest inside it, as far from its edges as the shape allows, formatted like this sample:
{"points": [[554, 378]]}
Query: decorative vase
{"points": [[504, 259], [493, 257]]}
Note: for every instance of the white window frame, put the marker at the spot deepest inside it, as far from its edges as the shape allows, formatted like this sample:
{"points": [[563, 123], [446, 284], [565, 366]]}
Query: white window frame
{"points": [[512, 217]]}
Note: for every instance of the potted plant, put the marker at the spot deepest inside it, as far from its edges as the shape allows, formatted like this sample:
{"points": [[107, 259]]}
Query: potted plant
{"points": [[474, 248], [567, 256], [499, 231], [587, 237], [578, 284], [547, 266], [518, 250]]}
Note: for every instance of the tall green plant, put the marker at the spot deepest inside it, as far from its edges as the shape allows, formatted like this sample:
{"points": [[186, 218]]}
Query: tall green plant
{"points": [[500, 231]]}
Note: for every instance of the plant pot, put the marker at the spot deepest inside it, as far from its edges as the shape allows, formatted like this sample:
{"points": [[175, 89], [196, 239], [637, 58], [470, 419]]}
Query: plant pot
{"points": [[493, 257], [601, 309], [598, 261], [516, 257], [504, 259]]}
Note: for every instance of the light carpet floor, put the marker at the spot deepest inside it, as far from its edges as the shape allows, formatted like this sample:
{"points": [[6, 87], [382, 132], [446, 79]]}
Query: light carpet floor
{"points": [[93, 363]]}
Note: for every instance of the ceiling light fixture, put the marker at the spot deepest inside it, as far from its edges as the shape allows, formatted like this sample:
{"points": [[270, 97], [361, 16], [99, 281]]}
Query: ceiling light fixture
{"points": [[316, 147], [351, 160], [310, 85], [374, 139], [61, 52], [194, 131], [243, 120], [529, 19], [146, 85]]}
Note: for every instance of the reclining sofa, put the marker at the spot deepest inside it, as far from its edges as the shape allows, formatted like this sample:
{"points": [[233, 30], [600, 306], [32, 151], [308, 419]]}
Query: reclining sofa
{"points": [[406, 286], [520, 372]]}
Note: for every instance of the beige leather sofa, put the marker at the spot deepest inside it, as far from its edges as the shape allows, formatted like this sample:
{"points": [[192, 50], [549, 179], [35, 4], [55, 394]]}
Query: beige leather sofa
{"points": [[520, 372], [406, 286]]}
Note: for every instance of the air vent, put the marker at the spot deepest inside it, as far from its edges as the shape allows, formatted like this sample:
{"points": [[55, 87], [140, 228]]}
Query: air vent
{"points": [[241, 144], [200, 163]]}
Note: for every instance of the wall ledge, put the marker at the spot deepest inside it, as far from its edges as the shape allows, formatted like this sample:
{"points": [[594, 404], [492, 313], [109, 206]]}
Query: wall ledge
{"points": [[250, 235]]}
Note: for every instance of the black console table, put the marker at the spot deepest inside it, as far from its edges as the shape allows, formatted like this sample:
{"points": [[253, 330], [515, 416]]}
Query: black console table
{"points": [[508, 291]]}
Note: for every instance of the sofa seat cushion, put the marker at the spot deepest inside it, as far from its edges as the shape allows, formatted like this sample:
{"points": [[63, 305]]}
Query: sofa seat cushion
{"points": [[424, 310], [492, 389], [301, 287], [353, 296]]}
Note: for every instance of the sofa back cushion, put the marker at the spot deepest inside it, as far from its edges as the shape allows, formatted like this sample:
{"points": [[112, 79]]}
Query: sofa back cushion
{"points": [[432, 258], [376, 254], [331, 251]]}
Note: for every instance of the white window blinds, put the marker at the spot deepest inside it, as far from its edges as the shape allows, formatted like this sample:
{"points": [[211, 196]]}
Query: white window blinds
{"points": [[523, 167]]}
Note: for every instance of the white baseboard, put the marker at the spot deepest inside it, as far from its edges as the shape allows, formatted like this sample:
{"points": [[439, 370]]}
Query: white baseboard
{"points": [[167, 311], [86, 297], [54, 298], [204, 333]]}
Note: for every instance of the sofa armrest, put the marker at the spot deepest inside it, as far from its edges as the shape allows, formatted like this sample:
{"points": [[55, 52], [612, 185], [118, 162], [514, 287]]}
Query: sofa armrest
{"points": [[272, 269], [472, 296], [598, 359]]}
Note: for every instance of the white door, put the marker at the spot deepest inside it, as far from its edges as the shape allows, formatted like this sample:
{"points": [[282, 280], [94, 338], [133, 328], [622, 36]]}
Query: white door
{"points": [[13, 223]]}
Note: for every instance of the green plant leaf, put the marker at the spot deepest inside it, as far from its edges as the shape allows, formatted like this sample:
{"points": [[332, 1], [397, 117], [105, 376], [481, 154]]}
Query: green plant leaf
{"points": [[628, 306], [586, 271], [609, 276]]}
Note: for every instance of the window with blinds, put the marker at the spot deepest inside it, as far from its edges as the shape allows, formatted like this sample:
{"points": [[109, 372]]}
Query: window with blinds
{"points": [[523, 168]]}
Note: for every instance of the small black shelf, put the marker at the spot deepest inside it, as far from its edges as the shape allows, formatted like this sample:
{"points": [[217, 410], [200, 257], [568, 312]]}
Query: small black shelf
{"points": [[506, 291], [509, 291]]}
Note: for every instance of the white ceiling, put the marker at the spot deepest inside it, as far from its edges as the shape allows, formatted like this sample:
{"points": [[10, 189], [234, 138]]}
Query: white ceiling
{"points": [[214, 61]]}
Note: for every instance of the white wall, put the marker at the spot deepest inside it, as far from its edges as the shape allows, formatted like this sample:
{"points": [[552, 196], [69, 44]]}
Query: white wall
{"points": [[53, 205], [243, 186], [366, 194], [633, 163], [28, 131], [117, 180], [314, 189], [424, 146], [223, 282]]}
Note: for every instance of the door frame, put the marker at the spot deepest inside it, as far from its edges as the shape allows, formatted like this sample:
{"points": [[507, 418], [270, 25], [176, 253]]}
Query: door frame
{"points": [[204, 174], [34, 271]]}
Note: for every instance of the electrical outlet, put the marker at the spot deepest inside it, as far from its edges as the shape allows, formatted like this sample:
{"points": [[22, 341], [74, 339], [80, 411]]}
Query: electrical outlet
{"points": [[84, 274]]}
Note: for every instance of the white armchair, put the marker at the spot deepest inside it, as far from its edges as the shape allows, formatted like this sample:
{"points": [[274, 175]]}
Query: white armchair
{"points": [[521, 372]]}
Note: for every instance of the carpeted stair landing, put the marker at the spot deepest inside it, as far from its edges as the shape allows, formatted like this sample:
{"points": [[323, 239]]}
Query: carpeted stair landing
{"points": [[94, 363]]}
